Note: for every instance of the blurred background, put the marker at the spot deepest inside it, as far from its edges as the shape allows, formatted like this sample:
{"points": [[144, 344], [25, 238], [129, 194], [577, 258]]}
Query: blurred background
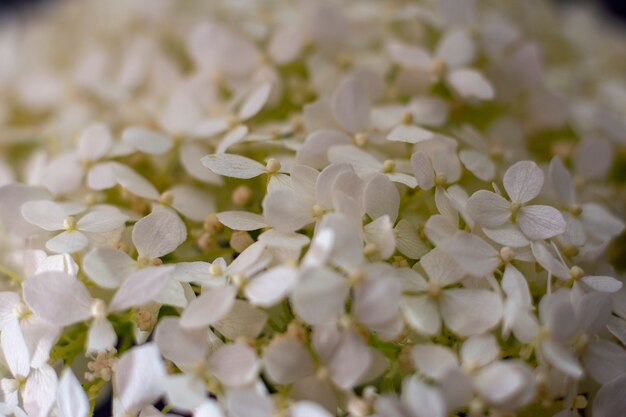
{"points": [[614, 8]]}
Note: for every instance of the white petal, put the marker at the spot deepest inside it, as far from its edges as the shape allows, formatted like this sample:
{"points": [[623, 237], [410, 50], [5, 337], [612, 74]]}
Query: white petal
{"points": [[15, 350], [432, 360], [611, 398], [602, 283], [211, 127], [270, 287], [71, 398], [234, 364], [541, 222], [550, 263], [308, 409], [499, 383], [381, 198], [139, 378], [235, 166], [286, 360], [147, 140], [561, 181], [439, 228], [523, 181], [101, 220], [58, 298], [441, 268], [469, 83], [315, 148], [133, 182], [241, 220], [232, 138], [409, 134], [243, 320], [159, 233], [184, 392], [470, 311], [63, 174], [456, 48], [39, 391], [422, 399], [94, 142], [286, 212], [12, 197], [604, 361], [488, 209], [478, 164], [473, 254], [600, 223], [101, 176], [255, 101], [408, 241], [319, 297], [562, 359], [351, 105], [68, 242], [182, 346], [376, 299], [250, 401], [350, 360], [507, 235], [192, 202], [189, 159], [108, 267], [101, 336], [209, 308], [380, 233], [423, 170], [45, 214], [141, 287], [275, 239], [480, 350], [422, 314]]}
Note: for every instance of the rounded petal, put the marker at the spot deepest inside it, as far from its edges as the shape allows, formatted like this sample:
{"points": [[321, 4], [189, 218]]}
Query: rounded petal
{"points": [[489, 209], [108, 267], [58, 298], [287, 360], [255, 101], [351, 105], [541, 222], [269, 287], [471, 84], [230, 165], [147, 140], [523, 181], [320, 296], [209, 308], [141, 287], [241, 220], [234, 364], [159, 233], [381, 198], [45, 214], [470, 311], [284, 211], [71, 398]]}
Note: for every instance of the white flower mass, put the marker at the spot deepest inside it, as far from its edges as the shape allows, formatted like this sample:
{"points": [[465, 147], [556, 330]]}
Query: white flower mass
{"points": [[312, 208]]}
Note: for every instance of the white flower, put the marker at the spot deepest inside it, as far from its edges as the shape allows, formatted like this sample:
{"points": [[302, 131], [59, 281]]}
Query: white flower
{"points": [[99, 220], [523, 182]]}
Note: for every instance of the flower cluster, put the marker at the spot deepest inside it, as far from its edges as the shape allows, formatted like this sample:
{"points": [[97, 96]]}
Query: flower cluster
{"points": [[312, 209]]}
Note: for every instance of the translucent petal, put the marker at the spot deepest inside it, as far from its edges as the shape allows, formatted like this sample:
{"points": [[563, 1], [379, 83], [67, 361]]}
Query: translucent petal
{"points": [[184, 347], [422, 314], [315, 148], [58, 298], [270, 287], [101, 220], [319, 297], [489, 209], [470, 311], [210, 307], [541, 222], [432, 360], [409, 134], [45, 214], [68, 242], [456, 49], [611, 398], [480, 350], [470, 84], [351, 105], [561, 181], [94, 142], [101, 336], [472, 254], [381, 198], [423, 170], [523, 181], [134, 182], [147, 140], [286, 360], [192, 202], [108, 267], [159, 233], [71, 398], [478, 164], [234, 364], [139, 378], [286, 212], [141, 287], [230, 165], [255, 101]]}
